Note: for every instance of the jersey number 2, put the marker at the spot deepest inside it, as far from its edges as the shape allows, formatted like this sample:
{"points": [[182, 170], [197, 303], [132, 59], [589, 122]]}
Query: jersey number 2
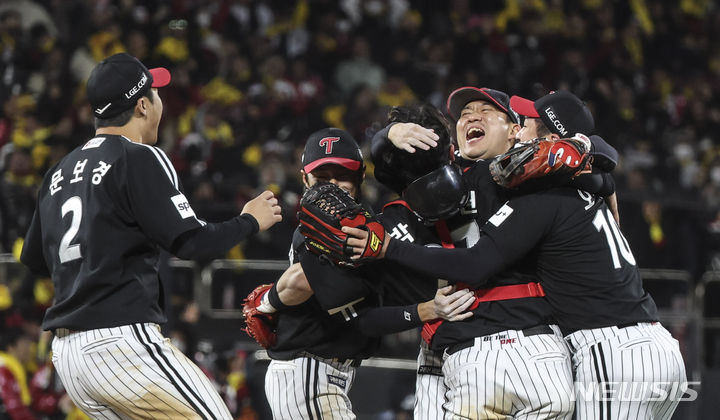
{"points": [[607, 224], [69, 252]]}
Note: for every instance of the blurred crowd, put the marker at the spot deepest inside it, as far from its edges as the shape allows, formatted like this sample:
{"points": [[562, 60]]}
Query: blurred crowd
{"points": [[252, 78]]}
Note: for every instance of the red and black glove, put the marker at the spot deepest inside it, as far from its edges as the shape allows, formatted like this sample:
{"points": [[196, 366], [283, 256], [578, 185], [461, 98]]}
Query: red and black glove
{"points": [[324, 209], [542, 163], [259, 325]]}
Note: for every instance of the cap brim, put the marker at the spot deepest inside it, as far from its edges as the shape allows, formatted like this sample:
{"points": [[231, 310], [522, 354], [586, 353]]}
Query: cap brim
{"points": [[464, 95], [351, 164], [161, 77], [524, 107], [605, 156]]}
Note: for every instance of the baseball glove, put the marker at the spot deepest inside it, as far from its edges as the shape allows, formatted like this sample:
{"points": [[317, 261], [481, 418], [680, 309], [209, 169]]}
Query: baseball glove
{"points": [[259, 325], [542, 163], [324, 209]]}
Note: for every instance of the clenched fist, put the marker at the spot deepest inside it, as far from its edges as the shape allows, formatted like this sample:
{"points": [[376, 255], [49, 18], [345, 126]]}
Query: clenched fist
{"points": [[265, 209]]}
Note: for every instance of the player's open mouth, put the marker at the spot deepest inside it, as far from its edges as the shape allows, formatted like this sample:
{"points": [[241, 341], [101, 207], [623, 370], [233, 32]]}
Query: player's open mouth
{"points": [[474, 134]]}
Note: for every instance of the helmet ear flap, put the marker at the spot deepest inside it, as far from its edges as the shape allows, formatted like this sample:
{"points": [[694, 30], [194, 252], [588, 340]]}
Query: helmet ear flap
{"points": [[437, 195]]}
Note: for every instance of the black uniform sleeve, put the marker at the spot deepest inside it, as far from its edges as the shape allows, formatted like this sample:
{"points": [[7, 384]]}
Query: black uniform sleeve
{"points": [[598, 182], [509, 234], [375, 322], [32, 253], [380, 143], [155, 200], [334, 287], [214, 239]]}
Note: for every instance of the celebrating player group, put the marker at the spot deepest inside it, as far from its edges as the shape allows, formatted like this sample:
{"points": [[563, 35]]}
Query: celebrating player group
{"points": [[504, 248]]}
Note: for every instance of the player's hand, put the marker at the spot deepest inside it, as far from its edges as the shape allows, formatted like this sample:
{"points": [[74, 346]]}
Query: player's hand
{"points": [[567, 151], [265, 209], [357, 240], [451, 305], [409, 136]]}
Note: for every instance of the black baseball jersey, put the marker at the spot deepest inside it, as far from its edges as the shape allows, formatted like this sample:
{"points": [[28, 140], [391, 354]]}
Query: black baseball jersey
{"points": [[582, 259], [485, 197], [102, 212], [323, 325]]}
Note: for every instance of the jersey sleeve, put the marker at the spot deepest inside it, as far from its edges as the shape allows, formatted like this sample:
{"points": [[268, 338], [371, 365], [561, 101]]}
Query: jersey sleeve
{"points": [[520, 223], [508, 235], [336, 289], [160, 208], [32, 252]]}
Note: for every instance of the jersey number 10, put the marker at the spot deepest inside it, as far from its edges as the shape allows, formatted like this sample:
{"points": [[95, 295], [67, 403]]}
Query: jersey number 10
{"points": [[68, 252], [605, 222]]}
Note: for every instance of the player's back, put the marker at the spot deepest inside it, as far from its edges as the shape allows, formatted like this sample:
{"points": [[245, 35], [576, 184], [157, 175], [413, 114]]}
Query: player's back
{"points": [[584, 262], [103, 210]]}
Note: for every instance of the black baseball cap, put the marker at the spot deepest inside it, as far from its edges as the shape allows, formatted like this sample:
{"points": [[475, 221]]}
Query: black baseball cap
{"points": [[464, 95], [118, 81], [562, 113], [605, 157], [331, 146]]}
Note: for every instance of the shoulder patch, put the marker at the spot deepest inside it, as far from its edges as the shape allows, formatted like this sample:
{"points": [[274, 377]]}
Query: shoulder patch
{"points": [[183, 206], [94, 142], [501, 215]]}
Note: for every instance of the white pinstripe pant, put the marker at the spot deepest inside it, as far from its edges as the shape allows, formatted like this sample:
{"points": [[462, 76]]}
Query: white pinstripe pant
{"points": [[310, 388], [430, 386], [133, 372], [509, 375], [635, 372]]}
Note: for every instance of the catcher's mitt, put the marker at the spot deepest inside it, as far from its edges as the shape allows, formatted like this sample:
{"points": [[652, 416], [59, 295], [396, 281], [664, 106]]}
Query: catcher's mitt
{"points": [[542, 163], [324, 210], [259, 325]]}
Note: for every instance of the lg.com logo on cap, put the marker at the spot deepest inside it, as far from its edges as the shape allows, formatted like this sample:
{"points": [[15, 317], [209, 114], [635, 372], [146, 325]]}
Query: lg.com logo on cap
{"points": [[137, 87], [555, 121]]}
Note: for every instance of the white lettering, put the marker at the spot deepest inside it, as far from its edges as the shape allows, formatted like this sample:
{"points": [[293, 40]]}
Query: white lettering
{"points": [[556, 122], [78, 170], [137, 87], [99, 172], [55, 181]]}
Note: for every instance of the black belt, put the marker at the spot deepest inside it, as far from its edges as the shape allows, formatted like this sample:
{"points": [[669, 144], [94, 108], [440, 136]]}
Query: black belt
{"points": [[628, 324], [354, 362], [527, 332]]}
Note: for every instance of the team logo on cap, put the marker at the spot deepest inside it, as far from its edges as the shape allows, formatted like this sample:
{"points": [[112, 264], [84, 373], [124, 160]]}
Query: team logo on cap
{"points": [[328, 143], [555, 121], [137, 87]]}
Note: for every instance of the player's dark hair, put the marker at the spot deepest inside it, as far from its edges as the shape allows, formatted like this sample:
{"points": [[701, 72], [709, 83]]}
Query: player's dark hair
{"points": [[396, 168], [541, 129], [122, 118]]}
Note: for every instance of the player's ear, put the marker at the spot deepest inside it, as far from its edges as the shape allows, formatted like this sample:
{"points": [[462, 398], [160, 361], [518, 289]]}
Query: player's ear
{"points": [[305, 179], [452, 152], [553, 136], [515, 128], [141, 106]]}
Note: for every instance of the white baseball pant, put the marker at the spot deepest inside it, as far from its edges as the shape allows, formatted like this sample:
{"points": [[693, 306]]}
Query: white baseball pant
{"points": [[430, 386], [133, 372], [510, 374], [633, 372], [310, 388]]}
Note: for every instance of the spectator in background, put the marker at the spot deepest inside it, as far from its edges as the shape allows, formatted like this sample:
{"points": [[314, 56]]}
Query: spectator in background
{"points": [[19, 398]]}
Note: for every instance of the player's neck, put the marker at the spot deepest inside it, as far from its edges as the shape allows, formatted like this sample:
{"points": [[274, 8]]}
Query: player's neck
{"points": [[130, 130]]}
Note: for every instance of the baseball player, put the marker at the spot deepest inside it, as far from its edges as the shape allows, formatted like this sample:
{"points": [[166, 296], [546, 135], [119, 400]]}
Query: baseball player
{"points": [[486, 126], [321, 341], [590, 279], [103, 211]]}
